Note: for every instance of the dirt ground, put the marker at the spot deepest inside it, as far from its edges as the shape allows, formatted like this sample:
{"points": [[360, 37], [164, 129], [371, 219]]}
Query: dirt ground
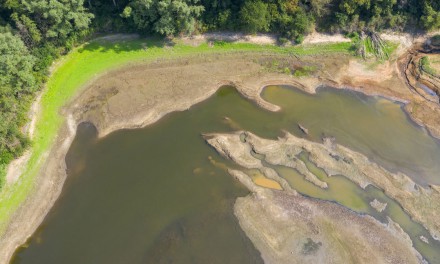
{"points": [[127, 96]]}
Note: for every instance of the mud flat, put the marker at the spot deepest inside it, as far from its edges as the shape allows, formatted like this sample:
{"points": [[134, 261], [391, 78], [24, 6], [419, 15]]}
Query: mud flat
{"points": [[289, 228], [245, 149]]}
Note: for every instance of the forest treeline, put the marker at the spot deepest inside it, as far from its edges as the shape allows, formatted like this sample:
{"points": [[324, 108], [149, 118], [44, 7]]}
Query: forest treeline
{"points": [[35, 32]]}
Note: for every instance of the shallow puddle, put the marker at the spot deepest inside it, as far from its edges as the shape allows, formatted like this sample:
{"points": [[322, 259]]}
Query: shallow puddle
{"points": [[153, 195], [259, 179]]}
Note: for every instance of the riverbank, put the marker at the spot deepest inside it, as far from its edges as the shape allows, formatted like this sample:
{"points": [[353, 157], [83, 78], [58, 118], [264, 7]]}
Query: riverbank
{"points": [[178, 76]]}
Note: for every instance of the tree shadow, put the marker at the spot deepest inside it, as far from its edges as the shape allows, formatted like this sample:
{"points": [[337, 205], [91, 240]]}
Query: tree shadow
{"points": [[124, 43], [220, 38]]}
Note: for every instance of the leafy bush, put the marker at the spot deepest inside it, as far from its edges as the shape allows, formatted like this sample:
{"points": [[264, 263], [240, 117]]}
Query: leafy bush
{"points": [[283, 41], [254, 16]]}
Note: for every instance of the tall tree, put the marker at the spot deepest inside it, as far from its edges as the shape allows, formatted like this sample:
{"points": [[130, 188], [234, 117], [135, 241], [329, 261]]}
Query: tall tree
{"points": [[16, 82], [290, 19], [222, 14], [53, 20], [254, 16], [166, 17], [16, 65], [430, 19]]}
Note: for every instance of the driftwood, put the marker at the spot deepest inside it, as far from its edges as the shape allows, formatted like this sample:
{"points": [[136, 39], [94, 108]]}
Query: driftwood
{"points": [[303, 129]]}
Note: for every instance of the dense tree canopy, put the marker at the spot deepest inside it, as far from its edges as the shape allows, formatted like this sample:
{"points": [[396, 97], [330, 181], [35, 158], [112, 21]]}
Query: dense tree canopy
{"points": [[53, 20], [381, 14], [166, 17], [254, 16], [61, 22], [221, 14], [430, 14], [32, 34], [16, 82], [16, 64]]}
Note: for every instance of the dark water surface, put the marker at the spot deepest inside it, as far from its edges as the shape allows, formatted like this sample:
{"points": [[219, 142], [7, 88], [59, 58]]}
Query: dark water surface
{"points": [[152, 195]]}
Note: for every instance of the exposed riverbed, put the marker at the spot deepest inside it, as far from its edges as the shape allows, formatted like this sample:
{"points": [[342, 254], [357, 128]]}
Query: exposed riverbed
{"points": [[161, 193]]}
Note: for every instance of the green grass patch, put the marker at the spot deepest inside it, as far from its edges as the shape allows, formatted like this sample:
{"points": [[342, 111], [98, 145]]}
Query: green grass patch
{"points": [[365, 47], [304, 71], [97, 57], [387, 50], [425, 66]]}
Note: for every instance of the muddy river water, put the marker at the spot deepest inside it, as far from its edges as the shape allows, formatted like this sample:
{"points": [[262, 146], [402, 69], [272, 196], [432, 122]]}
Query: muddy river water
{"points": [[160, 194]]}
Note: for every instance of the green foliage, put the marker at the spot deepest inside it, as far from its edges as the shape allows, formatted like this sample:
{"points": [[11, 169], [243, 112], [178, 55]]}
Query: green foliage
{"points": [[431, 17], [359, 14], [54, 20], [16, 65], [370, 44], [108, 17], [304, 71], [17, 83], [283, 41], [222, 14], [63, 21], [254, 16], [27, 29], [290, 19], [425, 66], [356, 15], [166, 17], [35, 34]]}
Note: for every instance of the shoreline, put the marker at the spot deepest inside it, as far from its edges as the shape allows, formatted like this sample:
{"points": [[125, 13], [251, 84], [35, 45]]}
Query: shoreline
{"points": [[248, 83], [50, 187]]}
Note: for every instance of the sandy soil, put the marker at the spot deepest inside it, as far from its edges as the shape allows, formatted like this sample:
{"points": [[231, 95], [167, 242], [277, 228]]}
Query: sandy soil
{"points": [[406, 40], [262, 39], [139, 95], [316, 38], [15, 168]]}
